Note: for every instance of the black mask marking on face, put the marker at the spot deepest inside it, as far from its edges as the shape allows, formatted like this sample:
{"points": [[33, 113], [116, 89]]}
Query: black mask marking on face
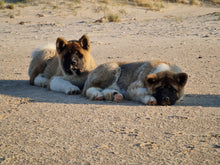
{"points": [[70, 64], [166, 95]]}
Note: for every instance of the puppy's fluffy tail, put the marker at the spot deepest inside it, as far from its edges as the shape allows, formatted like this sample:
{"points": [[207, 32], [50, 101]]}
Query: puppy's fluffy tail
{"points": [[40, 56], [45, 51]]}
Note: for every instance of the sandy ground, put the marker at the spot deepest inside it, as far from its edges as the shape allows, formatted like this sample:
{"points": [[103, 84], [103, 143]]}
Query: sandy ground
{"points": [[38, 126]]}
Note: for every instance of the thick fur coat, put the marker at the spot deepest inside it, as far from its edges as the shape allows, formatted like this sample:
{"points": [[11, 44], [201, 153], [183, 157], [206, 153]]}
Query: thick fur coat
{"points": [[151, 83], [63, 67]]}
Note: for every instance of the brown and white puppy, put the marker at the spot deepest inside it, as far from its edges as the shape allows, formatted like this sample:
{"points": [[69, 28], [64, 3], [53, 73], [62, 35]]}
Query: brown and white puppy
{"points": [[63, 67], [151, 83]]}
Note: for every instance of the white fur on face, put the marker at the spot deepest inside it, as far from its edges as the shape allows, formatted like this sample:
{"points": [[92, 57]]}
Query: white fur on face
{"points": [[60, 85], [41, 81], [161, 67]]}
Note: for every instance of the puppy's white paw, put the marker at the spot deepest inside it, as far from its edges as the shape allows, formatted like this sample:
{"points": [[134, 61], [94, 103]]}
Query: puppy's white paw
{"points": [[149, 100], [72, 90], [112, 95], [118, 97], [94, 93], [41, 81]]}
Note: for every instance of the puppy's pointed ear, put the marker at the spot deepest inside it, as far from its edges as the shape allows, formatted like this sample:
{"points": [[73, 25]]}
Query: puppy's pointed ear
{"points": [[84, 42], [181, 78], [151, 79], [61, 44]]}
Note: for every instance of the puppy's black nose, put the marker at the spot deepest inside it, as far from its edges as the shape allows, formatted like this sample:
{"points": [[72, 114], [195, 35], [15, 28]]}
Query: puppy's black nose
{"points": [[73, 62], [166, 101]]}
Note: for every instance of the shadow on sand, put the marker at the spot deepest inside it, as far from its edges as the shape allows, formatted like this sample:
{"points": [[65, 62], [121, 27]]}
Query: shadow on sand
{"points": [[21, 88]]}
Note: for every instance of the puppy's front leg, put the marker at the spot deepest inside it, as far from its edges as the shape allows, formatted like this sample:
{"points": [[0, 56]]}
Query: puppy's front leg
{"points": [[137, 92], [149, 100], [60, 85]]}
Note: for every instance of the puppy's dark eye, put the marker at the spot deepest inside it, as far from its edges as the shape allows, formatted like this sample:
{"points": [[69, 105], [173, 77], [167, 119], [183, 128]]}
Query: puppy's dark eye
{"points": [[169, 87], [151, 81], [79, 55], [73, 63]]}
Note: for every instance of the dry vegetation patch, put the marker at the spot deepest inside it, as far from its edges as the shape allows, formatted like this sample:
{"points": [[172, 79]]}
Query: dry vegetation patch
{"points": [[158, 4], [148, 4], [113, 18]]}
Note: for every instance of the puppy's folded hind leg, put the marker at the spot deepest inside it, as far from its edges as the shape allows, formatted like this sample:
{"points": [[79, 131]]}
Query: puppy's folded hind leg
{"points": [[35, 72]]}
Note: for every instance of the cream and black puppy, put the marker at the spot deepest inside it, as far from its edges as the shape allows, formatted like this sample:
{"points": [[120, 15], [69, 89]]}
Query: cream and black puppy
{"points": [[150, 83], [63, 67]]}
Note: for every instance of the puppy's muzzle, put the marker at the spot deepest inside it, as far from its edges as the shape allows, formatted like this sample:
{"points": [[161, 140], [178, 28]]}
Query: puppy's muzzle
{"points": [[166, 96]]}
